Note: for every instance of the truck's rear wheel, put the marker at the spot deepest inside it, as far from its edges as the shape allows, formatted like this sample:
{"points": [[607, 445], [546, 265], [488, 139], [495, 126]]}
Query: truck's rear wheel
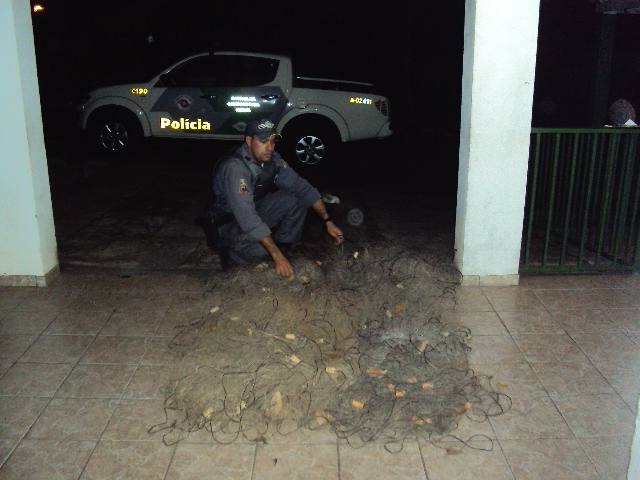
{"points": [[310, 144]]}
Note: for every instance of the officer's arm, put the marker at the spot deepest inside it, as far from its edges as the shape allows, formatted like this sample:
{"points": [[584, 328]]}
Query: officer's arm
{"points": [[280, 262], [332, 228]]}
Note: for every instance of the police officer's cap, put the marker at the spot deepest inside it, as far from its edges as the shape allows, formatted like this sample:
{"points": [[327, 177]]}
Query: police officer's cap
{"points": [[262, 129]]}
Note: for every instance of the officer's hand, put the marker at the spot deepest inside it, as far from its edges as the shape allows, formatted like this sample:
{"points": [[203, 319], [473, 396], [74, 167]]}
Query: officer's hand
{"points": [[335, 232], [283, 267]]}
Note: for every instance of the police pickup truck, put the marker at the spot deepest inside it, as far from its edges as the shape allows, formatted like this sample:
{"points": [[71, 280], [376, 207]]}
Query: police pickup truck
{"points": [[214, 96]]}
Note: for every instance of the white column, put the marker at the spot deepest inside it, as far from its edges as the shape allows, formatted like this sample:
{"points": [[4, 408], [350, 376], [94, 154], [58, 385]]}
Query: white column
{"points": [[28, 252], [500, 40]]}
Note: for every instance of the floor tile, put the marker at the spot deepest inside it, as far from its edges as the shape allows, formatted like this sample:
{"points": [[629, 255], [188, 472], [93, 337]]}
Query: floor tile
{"points": [[278, 461], [610, 455], [547, 282], [620, 375], [73, 419], [478, 426], [185, 309], [599, 281], [505, 299], [530, 321], [57, 349], [133, 419], [453, 461], [630, 397], [34, 379], [10, 297], [124, 350], [109, 283], [571, 378], [157, 303], [17, 414], [472, 299], [635, 338], [596, 415], [628, 319], [148, 382], [618, 298], [585, 321], [530, 417], [514, 380], [373, 461], [609, 347], [115, 460], [480, 323], [553, 458], [96, 301], [494, 349], [51, 301], [78, 322], [304, 435], [6, 447], [631, 281], [195, 283], [158, 283], [198, 461], [539, 348], [567, 299], [132, 324], [158, 352], [26, 322], [47, 460], [12, 347], [97, 381]]}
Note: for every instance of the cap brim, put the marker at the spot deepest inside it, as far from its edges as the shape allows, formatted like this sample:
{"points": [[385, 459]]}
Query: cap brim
{"points": [[264, 137]]}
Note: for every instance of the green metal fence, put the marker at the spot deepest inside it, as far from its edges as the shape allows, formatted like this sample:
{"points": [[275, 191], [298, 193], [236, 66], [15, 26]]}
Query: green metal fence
{"points": [[582, 209]]}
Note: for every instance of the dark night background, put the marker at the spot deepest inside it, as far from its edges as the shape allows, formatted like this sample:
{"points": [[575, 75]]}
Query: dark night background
{"points": [[411, 50]]}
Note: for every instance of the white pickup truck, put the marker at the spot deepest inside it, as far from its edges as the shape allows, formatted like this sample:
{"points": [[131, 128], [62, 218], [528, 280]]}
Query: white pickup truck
{"points": [[215, 95]]}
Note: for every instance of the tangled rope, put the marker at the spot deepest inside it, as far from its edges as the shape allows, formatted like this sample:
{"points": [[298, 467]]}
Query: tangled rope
{"points": [[355, 344]]}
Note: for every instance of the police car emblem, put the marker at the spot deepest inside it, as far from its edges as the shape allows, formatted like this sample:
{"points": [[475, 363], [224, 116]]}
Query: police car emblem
{"points": [[243, 187], [184, 102]]}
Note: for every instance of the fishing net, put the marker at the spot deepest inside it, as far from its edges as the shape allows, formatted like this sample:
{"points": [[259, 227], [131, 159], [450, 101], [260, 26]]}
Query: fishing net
{"points": [[355, 343]]}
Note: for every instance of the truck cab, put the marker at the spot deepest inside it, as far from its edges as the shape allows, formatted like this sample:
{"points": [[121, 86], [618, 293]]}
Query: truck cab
{"points": [[214, 96]]}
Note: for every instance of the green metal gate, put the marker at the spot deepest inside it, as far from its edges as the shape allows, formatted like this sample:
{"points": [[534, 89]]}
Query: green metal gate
{"points": [[582, 204]]}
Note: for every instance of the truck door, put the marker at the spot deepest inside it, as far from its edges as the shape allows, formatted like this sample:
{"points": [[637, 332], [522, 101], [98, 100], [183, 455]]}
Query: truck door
{"points": [[216, 96]]}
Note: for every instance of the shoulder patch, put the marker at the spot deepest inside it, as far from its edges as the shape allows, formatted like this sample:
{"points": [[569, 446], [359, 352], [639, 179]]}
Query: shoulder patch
{"points": [[242, 188]]}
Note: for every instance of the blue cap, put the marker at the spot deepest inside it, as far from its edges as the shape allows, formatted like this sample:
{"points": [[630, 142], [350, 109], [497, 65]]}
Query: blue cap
{"points": [[262, 129]]}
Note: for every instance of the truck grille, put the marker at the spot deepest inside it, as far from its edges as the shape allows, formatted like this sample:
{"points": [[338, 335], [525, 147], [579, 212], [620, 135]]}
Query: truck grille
{"points": [[383, 107]]}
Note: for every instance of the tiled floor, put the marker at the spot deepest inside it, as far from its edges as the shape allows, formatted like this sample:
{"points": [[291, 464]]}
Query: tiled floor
{"points": [[81, 368]]}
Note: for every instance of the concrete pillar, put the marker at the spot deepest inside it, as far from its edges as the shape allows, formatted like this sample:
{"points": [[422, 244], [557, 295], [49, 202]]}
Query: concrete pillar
{"points": [[28, 251], [500, 42]]}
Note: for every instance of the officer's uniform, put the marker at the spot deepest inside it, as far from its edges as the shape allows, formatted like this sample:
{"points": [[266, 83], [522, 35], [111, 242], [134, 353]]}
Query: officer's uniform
{"points": [[249, 200]]}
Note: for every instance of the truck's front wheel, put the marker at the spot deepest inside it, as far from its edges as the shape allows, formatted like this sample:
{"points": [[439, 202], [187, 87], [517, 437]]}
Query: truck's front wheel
{"points": [[310, 144], [115, 131]]}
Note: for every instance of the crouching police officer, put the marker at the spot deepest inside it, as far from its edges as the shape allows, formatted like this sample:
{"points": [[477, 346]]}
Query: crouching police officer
{"points": [[257, 203]]}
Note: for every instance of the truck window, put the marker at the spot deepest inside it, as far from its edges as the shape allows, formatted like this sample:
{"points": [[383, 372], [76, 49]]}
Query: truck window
{"points": [[225, 71], [245, 71], [199, 72]]}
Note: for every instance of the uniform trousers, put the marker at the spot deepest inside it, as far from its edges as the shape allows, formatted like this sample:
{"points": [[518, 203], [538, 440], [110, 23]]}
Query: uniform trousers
{"points": [[281, 212]]}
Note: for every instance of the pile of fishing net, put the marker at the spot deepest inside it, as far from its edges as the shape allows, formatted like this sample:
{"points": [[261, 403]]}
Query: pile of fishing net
{"points": [[354, 343]]}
